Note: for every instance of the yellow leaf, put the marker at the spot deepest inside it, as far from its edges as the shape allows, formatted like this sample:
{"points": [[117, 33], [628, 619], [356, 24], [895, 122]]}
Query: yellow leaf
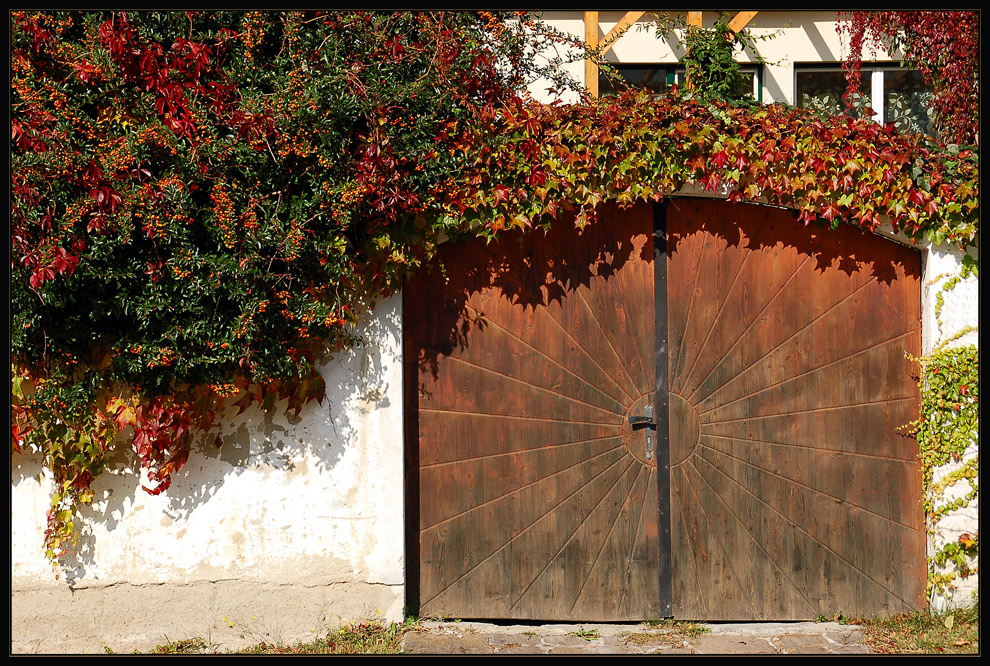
{"points": [[948, 621], [121, 411]]}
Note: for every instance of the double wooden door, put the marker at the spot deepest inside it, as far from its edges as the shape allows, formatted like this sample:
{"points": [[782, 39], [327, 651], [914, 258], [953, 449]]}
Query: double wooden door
{"points": [[688, 410]]}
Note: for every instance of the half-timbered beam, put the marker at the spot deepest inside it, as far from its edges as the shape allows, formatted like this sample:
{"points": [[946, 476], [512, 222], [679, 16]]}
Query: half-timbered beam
{"points": [[591, 39], [624, 24], [740, 20]]}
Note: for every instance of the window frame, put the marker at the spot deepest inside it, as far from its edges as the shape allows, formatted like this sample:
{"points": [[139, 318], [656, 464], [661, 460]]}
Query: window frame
{"points": [[876, 72], [674, 73]]}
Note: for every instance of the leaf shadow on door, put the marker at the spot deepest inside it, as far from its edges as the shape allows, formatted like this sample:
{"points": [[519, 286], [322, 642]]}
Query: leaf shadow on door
{"points": [[530, 269], [830, 248]]}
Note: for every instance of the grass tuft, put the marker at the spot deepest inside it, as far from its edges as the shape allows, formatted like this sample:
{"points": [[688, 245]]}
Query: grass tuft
{"points": [[185, 646], [373, 637], [586, 634], [665, 632], [954, 632]]}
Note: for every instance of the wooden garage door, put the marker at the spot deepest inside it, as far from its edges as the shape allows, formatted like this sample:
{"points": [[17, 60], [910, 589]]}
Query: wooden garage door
{"points": [[789, 492]]}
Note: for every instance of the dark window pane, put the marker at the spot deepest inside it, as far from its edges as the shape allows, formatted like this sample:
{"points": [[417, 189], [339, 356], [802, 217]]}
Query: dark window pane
{"points": [[822, 90], [907, 102], [657, 78], [636, 76]]}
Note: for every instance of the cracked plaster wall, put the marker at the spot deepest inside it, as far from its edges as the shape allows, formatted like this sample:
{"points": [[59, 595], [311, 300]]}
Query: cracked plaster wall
{"points": [[292, 525]]}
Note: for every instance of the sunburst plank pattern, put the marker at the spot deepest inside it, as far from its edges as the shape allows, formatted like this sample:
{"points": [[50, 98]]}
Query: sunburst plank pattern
{"points": [[531, 356], [787, 350]]}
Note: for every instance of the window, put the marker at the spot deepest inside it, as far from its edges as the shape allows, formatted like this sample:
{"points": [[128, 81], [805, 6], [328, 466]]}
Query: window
{"points": [[903, 98], [658, 78], [655, 78]]}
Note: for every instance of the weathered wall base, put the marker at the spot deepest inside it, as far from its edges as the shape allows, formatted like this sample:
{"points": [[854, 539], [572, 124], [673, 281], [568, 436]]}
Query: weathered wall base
{"points": [[229, 614]]}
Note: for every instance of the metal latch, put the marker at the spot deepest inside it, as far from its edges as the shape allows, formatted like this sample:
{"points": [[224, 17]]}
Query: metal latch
{"points": [[645, 421]]}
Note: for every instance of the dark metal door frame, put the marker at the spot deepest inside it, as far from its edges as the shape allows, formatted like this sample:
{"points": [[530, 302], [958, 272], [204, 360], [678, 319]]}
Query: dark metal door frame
{"points": [[662, 404]]}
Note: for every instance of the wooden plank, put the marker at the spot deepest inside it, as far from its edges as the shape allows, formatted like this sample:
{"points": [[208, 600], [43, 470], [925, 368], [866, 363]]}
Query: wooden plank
{"points": [[694, 19], [661, 408], [591, 39], [836, 556], [506, 543], [726, 254]]}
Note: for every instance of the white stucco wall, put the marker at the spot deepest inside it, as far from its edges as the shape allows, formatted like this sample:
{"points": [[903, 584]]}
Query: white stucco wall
{"points": [[289, 527]]}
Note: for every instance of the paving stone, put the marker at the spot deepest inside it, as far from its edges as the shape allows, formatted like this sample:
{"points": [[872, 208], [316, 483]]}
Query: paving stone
{"points": [[622, 645], [843, 637], [800, 643], [850, 649], [516, 644], [640, 644], [518, 648], [568, 641], [809, 649], [739, 638], [727, 644], [572, 650], [431, 643], [502, 640]]}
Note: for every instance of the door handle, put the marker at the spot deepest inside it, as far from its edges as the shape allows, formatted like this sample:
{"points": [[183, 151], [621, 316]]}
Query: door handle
{"points": [[646, 421]]}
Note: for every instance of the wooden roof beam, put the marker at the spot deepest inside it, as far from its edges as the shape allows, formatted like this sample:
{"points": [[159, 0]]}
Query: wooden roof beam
{"points": [[738, 22]]}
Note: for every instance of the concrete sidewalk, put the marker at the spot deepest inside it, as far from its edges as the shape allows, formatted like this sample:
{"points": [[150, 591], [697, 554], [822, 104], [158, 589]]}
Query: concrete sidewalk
{"points": [[434, 637]]}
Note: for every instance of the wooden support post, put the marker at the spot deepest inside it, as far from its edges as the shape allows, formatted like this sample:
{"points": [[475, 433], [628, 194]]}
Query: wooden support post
{"points": [[591, 39]]}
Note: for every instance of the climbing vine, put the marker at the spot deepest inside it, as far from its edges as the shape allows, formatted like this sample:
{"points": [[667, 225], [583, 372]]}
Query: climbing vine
{"points": [[970, 268], [942, 45], [203, 204], [947, 428], [712, 71]]}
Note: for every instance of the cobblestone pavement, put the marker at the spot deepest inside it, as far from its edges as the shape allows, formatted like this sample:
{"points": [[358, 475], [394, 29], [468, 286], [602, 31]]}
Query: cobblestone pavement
{"points": [[433, 637]]}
